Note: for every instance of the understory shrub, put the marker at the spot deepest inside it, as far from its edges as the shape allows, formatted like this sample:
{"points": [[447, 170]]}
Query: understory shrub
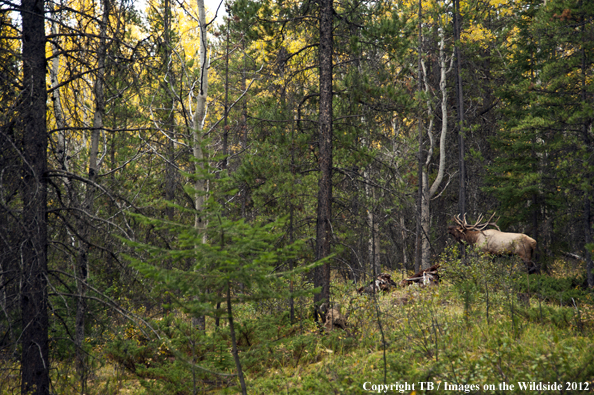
{"points": [[562, 291]]}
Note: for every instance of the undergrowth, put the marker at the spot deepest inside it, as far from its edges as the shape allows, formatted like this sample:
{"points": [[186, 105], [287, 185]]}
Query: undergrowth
{"points": [[487, 323]]}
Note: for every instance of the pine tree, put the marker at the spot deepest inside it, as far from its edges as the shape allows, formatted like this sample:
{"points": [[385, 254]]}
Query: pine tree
{"points": [[233, 262], [546, 143]]}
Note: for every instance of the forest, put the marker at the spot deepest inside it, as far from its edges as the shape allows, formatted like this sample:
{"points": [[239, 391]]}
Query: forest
{"points": [[192, 193]]}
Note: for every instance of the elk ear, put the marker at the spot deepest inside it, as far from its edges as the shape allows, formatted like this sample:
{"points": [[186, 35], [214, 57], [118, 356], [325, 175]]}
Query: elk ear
{"points": [[323, 309]]}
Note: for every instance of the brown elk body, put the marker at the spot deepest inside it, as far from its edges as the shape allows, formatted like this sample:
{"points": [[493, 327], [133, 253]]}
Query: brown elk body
{"points": [[333, 318], [493, 241]]}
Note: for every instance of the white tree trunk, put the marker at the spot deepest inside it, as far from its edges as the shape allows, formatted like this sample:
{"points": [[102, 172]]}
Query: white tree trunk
{"points": [[198, 122], [403, 234], [429, 193], [200, 184], [374, 244], [425, 222]]}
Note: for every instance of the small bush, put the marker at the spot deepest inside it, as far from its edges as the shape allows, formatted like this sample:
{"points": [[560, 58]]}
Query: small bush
{"points": [[556, 290], [180, 360]]}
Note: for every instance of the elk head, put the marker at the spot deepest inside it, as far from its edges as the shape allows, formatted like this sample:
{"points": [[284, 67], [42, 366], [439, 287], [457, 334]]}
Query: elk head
{"points": [[463, 231]]}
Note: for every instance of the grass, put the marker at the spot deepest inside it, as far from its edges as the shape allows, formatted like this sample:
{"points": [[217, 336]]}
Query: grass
{"points": [[459, 337], [433, 340]]}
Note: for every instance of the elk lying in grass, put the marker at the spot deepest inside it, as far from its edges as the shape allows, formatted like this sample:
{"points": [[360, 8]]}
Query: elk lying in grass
{"points": [[383, 282], [333, 318], [423, 278]]}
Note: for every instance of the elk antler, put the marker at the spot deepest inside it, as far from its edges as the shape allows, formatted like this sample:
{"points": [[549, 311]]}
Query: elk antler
{"points": [[477, 225], [489, 223], [481, 226], [464, 224]]}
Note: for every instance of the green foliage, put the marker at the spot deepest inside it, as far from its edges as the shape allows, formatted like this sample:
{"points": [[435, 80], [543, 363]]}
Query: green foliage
{"points": [[229, 262], [480, 272], [542, 145], [563, 291], [536, 69], [247, 258], [176, 361], [430, 339]]}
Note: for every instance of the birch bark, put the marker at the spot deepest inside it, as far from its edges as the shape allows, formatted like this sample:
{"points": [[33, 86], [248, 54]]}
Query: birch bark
{"points": [[428, 193], [200, 183]]}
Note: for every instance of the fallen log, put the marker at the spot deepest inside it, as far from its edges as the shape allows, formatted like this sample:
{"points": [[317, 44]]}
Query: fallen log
{"points": [[573, 256]]}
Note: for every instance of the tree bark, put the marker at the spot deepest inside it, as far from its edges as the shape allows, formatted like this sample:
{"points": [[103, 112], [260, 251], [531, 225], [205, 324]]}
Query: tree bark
{"points": [[324, 211], [226, 104], [419, 229], [588, 242], [198, 122], [62, 152], [234, 342], [460, 99], [425, 195], [34, 294], [84, 226], [403, 235], [243, 128], [197, 150], [428, 193], [168, 87], [373, 244]]}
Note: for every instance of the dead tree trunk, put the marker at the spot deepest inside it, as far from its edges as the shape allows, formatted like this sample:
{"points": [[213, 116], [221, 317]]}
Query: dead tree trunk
{"points": [[324, 213], [33, 189], [419, 229], [460, 99]]}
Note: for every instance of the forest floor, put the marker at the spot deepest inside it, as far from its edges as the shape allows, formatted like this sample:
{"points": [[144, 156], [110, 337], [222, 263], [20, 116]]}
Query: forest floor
{"points": [[459, 337]]}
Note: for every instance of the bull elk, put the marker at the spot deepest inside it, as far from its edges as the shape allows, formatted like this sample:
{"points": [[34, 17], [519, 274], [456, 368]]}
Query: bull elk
{"points": [[493, 241]]}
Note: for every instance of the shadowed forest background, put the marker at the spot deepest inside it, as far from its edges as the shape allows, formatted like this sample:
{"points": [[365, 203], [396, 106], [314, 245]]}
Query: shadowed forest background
{"points": [[181, 192]]}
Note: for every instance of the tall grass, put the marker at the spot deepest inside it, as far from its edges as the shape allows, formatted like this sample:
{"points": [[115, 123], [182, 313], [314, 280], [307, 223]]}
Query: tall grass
{"points": [[486, 324]]}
